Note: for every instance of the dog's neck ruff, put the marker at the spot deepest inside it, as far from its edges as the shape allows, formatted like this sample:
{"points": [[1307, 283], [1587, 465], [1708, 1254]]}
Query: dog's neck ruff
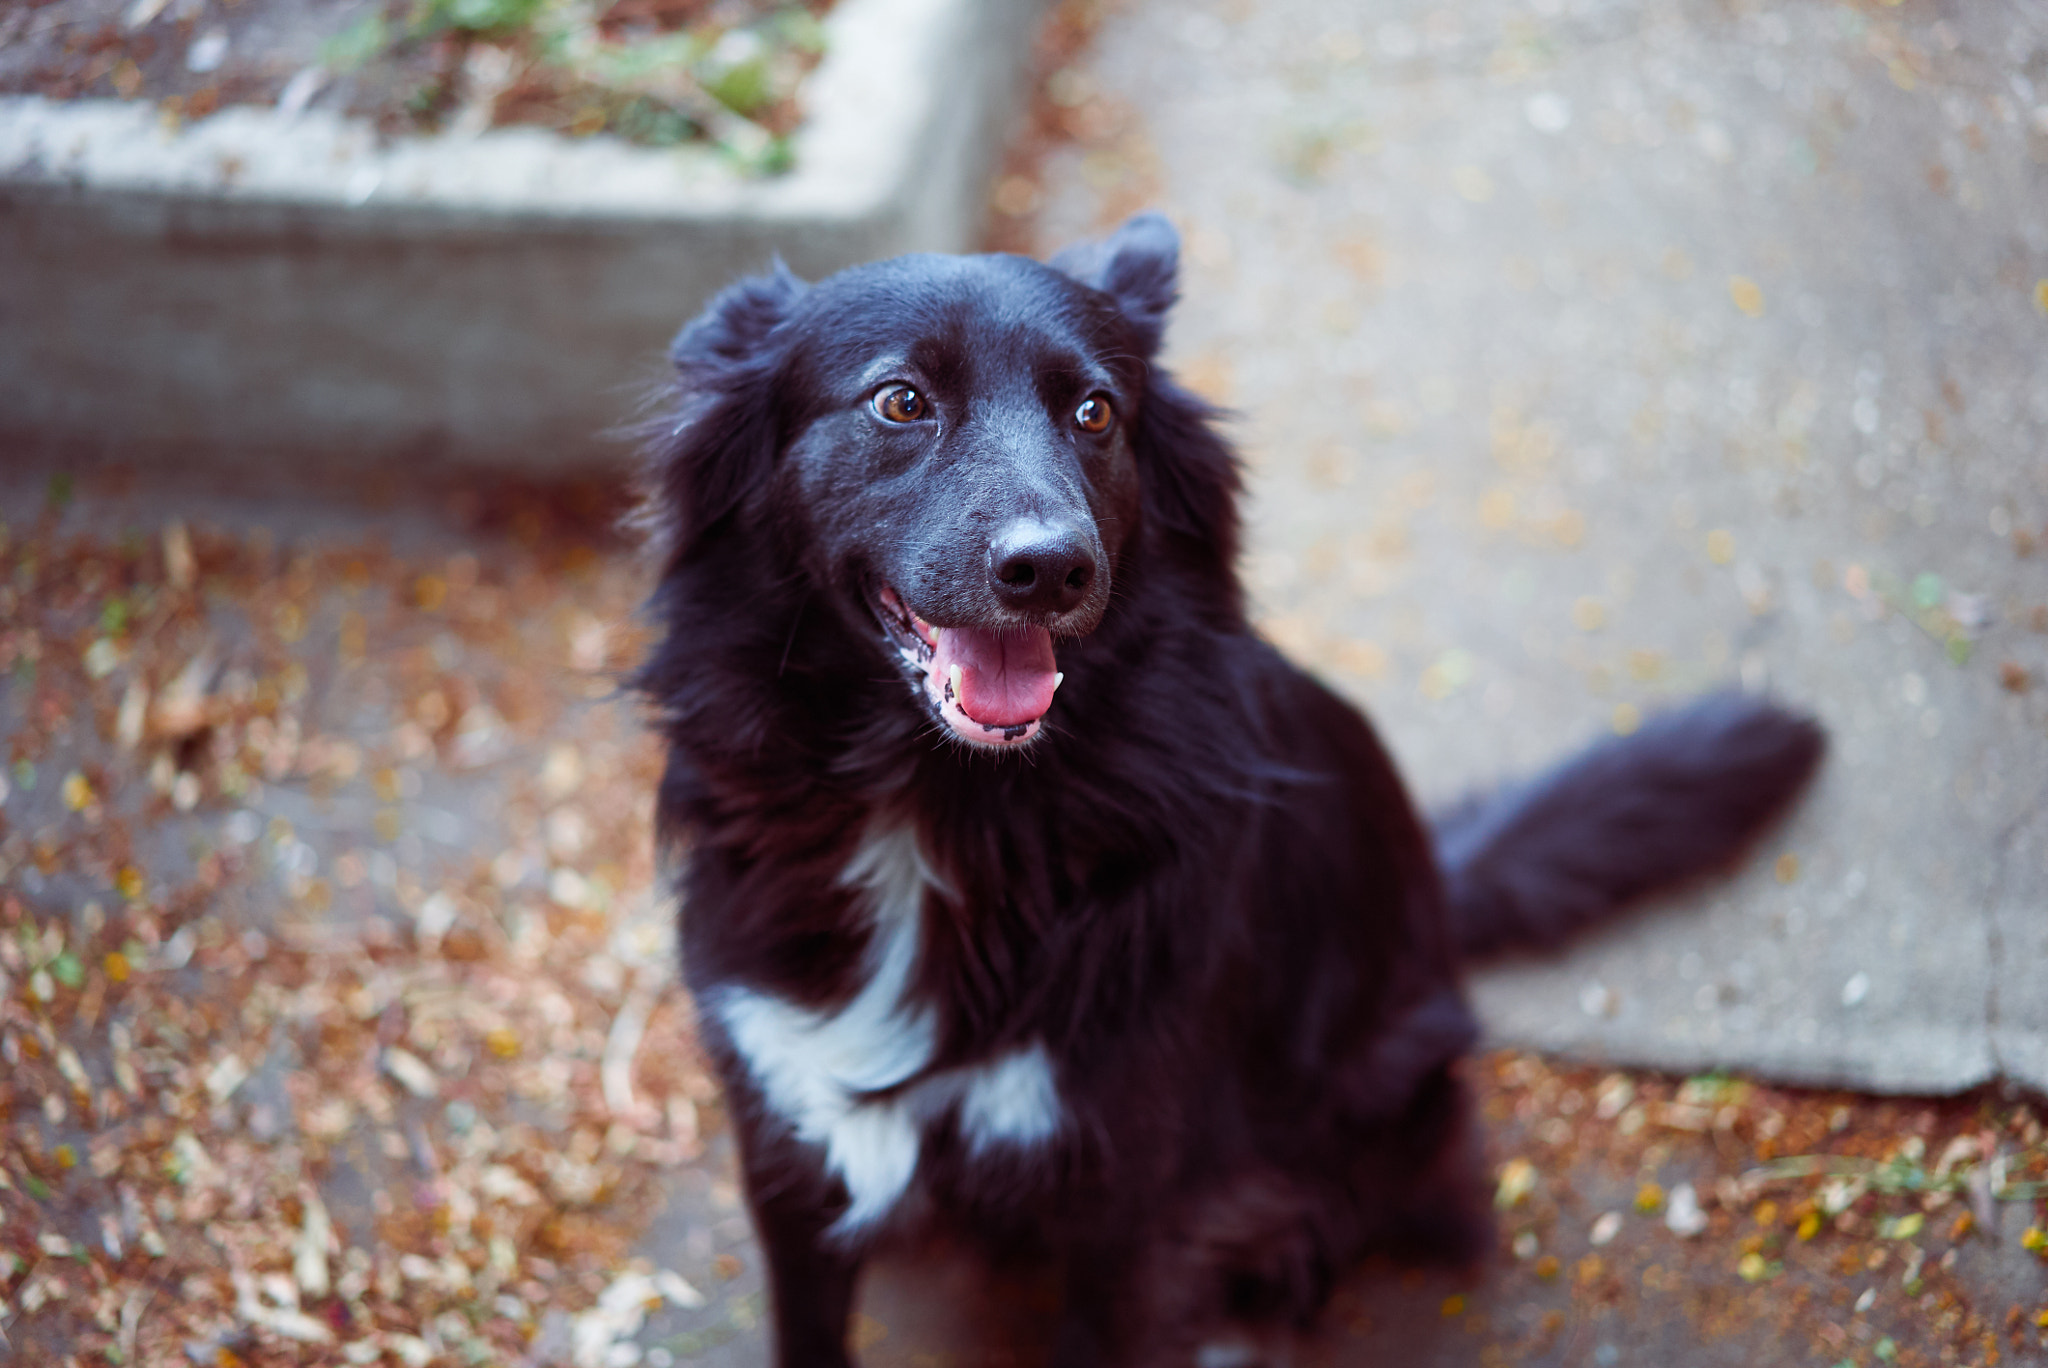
{"points": [[818, 1069]]}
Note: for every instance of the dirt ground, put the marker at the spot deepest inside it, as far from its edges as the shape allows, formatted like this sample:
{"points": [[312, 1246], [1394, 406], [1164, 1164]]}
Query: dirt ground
{"points": [[341, 1022]]}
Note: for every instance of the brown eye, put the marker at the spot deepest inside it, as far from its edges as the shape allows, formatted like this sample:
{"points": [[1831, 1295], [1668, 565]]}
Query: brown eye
{"points": [[1094, 415], [901, 404]]}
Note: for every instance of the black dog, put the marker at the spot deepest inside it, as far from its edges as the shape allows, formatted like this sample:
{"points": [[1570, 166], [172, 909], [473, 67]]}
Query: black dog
{"points": [[1027, 887]]}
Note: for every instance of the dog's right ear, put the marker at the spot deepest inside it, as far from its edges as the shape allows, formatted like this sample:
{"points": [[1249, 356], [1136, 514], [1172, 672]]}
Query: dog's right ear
{"points": [[719, 441], [736, 324]]}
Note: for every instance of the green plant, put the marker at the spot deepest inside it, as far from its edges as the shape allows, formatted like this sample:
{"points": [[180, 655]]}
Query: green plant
{"points": [[358, 44], [730, 86], [474, 16]]}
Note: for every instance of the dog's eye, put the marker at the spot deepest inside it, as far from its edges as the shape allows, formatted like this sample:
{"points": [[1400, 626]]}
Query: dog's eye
{"points": [[901, 404], [1094, 415]]}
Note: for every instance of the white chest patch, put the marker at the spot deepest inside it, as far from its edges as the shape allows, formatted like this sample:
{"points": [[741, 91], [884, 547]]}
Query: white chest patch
{"points": [[812, 1065], [1012, 1100]]}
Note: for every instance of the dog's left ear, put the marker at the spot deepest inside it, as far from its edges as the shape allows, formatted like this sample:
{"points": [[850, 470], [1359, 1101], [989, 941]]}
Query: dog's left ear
{"points": [[1138, 265], [1190, 476]]}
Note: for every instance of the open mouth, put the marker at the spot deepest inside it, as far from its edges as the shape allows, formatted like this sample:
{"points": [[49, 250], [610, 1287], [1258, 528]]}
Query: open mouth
{"points": [[990, 687]]}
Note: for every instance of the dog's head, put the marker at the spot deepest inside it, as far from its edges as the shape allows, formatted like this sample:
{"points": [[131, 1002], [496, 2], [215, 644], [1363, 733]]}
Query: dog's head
{"points": [[953, 449]]}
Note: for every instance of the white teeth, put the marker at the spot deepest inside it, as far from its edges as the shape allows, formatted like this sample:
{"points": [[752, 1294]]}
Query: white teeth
{"points": [[953, 683], [934, 637], [1058, 680]]}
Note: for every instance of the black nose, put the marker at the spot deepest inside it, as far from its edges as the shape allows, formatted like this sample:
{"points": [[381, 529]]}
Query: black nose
{"points": [[1040, 569]]}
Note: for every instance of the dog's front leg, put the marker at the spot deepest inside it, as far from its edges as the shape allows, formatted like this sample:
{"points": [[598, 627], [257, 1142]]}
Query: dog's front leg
{"points": [[810, 1276]]}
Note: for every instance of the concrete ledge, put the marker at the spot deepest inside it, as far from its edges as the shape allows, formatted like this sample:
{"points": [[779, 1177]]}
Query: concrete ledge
{"points": [[261, 289]]}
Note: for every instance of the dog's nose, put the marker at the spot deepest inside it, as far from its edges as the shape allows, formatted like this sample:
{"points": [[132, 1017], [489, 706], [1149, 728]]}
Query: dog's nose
{"points": [[1040, 569]]}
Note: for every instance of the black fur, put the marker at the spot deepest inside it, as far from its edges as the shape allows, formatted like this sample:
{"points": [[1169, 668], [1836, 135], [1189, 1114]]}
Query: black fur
{"points": [[1683, 796], [1202, 886]]}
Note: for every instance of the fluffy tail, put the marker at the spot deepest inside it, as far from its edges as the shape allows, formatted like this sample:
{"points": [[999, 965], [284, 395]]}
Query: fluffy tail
{"points": [[1680, 797]]}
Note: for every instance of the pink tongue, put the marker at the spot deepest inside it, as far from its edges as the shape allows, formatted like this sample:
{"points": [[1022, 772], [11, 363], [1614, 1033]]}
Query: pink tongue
{"points": [[1006, 678]]}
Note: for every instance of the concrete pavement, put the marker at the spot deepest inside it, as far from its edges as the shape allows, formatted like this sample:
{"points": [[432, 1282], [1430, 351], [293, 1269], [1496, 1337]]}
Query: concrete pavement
{"points": [[1592, 353]]}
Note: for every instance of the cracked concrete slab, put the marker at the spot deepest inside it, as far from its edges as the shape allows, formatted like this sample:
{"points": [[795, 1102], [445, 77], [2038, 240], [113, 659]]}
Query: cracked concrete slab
{"points": [[2019, 948], [1589, 354]]}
